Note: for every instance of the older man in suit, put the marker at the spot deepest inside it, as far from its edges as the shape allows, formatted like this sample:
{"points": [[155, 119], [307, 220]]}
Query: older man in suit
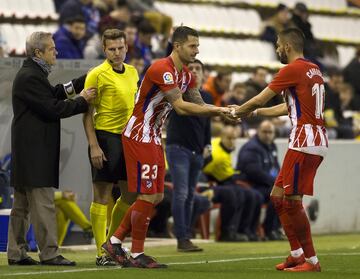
{"points": [[35, 145]]}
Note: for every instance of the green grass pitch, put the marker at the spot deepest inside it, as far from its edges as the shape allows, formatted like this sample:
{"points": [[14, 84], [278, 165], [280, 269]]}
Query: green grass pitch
{"points": [[339, 256]]}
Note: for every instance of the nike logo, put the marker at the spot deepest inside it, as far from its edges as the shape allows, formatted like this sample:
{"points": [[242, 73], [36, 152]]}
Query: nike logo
{"points": [[286, 186]]}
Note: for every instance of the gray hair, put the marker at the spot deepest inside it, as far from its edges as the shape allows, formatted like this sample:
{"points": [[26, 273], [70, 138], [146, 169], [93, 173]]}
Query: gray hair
{"points": [[36, 41]]}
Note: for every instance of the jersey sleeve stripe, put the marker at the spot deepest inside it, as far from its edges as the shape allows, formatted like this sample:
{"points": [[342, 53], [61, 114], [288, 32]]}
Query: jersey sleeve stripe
{"points": [[297, 103], [148, 97]]}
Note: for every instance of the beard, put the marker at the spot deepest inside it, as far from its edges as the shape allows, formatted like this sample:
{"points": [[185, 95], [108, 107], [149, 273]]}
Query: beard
{"points": [[283, 58]]}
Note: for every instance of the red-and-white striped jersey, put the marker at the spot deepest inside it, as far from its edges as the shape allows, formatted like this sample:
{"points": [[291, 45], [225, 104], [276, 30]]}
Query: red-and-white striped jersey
{"points": [[151, 107], [302, 86]]}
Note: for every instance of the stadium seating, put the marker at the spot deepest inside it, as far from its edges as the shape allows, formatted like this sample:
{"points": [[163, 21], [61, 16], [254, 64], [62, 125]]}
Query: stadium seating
{"points": [[208, 17], [15, 34], [28, 8], [213, 18]]}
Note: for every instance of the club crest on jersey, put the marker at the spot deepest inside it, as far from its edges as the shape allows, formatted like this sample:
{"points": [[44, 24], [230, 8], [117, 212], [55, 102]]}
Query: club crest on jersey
{"points": [[168, 78], [148, 184]]}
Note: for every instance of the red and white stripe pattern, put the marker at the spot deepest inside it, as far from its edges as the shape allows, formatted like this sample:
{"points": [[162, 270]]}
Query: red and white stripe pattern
{"points": [[151, 108], [305, 136]]}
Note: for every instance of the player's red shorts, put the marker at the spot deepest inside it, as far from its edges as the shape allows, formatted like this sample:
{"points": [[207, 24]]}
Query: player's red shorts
{"points": [[297, 173], [145, 166]]}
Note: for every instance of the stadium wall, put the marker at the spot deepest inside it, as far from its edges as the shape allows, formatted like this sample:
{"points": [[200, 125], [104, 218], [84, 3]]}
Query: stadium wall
{"points": [[337, 185]]}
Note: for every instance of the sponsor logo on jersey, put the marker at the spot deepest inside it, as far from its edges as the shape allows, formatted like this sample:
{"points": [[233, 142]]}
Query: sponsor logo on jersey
{"points": [[168, 78]]}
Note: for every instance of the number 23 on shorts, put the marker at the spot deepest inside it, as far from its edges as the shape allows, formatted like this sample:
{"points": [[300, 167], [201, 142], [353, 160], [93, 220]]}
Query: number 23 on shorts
{"points": [[149, 172]]}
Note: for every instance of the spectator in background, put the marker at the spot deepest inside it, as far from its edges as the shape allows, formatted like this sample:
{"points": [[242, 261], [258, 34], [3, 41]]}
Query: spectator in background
{"points": [[217, 86], [239, 206], [257, 82], [69, 38], [352, 72], [300, 19], [105, 6], [131, 32], [138, 62], [337, 125], [330, 55], [278, 22], [239, 94], [254, 85], [117, 18], [142, 45], [161, 22], [350, 105], [35, 145], [72, 8], [187, 141], [67, 210], [348, 100], [258, 165]]}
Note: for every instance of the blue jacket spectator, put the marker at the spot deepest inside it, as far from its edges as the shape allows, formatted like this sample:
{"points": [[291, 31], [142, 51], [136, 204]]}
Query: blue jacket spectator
{"points": [[73, 8], [69, 39], [258, 165], [258, 162], [142, 46]]}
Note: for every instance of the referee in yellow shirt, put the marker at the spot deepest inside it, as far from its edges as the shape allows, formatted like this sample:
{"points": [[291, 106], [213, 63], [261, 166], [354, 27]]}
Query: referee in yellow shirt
{"points": [[104, 122]]}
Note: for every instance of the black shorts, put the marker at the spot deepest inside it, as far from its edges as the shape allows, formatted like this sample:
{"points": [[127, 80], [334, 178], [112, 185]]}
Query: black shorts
{"points": [[114, 169]]}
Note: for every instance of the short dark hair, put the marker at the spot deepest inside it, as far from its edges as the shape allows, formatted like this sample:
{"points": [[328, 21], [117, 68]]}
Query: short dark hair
{"points": [[112, 34], [257, 68], [295, 37], [197, 61], [144, 27], [223, 73], [74, 19], [181, 34]]}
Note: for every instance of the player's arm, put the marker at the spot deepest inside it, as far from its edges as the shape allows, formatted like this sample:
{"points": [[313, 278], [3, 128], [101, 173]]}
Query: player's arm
{"points": [[193, 95], [174, 97], [96, 154], [254, 103], [274, 111]]}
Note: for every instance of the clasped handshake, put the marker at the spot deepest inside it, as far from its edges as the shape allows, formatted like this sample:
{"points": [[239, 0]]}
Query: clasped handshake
{"points": [[231, 113]]}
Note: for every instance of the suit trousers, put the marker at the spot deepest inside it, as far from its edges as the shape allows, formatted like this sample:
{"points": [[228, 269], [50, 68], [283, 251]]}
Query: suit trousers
{"points": [[37, 206]]}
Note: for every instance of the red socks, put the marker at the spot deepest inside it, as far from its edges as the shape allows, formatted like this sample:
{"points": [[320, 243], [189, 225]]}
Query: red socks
{"points": [[301, 225], [125, 226], [136, 220], [140, 219], [286, 223]]}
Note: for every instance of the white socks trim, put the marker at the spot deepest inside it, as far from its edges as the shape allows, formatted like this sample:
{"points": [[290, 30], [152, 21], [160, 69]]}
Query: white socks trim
{"points": [[297, 253], [115, 240]]}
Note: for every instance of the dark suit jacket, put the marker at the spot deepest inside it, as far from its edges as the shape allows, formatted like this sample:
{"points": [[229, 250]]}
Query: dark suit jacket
{"points": [[258, 163], [35, 131]]}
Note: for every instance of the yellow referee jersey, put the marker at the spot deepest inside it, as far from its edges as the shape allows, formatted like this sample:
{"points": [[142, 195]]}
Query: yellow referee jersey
{"points": [[115, 99], [220, 167]]}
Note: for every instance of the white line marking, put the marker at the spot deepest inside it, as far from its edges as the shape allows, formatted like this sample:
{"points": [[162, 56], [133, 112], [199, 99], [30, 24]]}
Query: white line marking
{"points": [[176, 263]]}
